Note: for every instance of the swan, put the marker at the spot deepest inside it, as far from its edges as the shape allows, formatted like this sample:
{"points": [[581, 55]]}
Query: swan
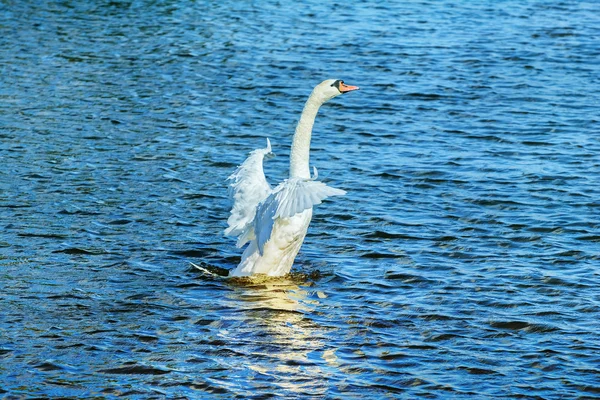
{"points": [[274, 221]]}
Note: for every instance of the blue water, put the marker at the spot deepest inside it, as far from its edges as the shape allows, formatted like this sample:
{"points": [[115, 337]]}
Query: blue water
{"points": [[464, 262]]}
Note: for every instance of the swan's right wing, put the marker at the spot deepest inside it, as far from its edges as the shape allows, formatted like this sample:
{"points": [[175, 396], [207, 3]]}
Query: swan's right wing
{"points": [[247, 189], [291, 197]]}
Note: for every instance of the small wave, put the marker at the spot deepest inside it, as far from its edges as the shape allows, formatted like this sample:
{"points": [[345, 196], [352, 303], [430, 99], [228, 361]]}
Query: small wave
{"points": [[554, 281], [146, 338], [387, 175], [442, 337], [393, 356]]}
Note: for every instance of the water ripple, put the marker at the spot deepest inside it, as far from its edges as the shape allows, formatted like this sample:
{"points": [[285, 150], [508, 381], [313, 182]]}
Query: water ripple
{"points": [[462, 263]]}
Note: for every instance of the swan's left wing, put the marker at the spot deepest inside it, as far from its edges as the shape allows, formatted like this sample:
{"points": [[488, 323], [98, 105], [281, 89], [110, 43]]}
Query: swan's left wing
{"points": [[247, 189], [291, 197]]}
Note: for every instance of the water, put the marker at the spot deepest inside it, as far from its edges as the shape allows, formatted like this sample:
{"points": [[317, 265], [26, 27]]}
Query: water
{"points": [[462, 263]]}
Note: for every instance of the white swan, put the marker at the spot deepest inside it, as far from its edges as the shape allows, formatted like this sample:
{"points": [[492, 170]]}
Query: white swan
{"points": [[275, 221]]}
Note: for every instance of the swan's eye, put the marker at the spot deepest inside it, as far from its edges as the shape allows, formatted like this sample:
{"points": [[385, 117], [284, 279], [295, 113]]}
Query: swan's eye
{"points": [[337, 84]]}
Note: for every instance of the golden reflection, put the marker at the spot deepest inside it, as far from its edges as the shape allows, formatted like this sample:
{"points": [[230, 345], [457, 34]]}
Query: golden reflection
{"points": [[287, 345]]}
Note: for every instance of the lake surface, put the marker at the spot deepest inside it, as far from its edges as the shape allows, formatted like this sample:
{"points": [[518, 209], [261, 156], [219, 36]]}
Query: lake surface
{"points": [[463, 263]]}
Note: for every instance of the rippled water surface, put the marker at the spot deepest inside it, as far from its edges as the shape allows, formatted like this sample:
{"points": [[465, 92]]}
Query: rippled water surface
{"points": [[464, 262]]}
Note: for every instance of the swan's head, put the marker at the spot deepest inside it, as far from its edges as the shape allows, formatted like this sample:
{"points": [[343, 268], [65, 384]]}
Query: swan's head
{"points": [[331, 88]]}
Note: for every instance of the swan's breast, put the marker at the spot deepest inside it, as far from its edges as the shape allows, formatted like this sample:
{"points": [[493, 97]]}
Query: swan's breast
{"points": [[289, 231]]}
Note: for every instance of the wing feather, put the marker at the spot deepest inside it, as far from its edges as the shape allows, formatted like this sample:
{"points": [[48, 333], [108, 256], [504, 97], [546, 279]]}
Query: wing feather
{"points": [[247, 189], [291, 197], [264, 220]]}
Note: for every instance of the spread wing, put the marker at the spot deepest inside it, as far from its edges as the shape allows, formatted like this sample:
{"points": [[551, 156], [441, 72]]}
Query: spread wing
{"points": [[247, 189], [291, 197]]}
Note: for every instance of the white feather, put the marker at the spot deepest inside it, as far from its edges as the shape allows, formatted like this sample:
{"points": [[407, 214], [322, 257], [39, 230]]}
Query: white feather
{"points": [[290, 198], [247, 189]]}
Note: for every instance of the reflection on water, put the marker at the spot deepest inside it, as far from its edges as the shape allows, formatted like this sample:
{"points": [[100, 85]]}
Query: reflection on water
{"points": [[274, 312]]}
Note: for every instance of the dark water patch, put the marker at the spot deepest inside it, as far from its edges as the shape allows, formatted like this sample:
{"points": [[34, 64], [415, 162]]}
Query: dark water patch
{"points": [[380, 255], [511, 325], [540, 229], [523, 326], [478, 371], [498, 202], [220, 164], [407, 278], [541, 328], [15, 206], [443, 239], [192, 253], [589, 238], [424, 96], [49, 367], [436, 317], [146, 338], [387, 175], [205, 387], [393, 356], [442, 337], [71, 346], [136, 369], [120, 222], [4, 352], [78, 212], [421, 347], [390, 235], [36, 177], [66, 296], [79, 251], [536, 143], [545, 314], [204, 322], [503, 304], [43, 235], [555, 281]]}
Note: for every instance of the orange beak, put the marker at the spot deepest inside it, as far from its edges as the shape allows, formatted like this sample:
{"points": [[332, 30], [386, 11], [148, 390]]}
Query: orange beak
{"points": [[347, 88]]}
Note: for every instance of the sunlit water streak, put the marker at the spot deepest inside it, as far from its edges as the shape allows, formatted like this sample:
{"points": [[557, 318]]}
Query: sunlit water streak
{"points": [[462, 263]]}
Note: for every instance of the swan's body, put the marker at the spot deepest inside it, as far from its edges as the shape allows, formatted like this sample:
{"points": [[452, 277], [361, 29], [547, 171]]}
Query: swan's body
{"points": [[275, 221]]}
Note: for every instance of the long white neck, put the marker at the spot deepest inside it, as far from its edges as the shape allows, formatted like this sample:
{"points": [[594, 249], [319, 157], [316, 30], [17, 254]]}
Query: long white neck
{"points": [[299, 156]]}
